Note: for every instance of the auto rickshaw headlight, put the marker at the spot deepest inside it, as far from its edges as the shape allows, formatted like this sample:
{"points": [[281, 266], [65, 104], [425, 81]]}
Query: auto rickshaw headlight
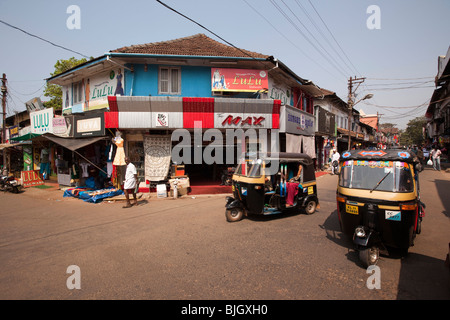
{"points": [[360, 232]]}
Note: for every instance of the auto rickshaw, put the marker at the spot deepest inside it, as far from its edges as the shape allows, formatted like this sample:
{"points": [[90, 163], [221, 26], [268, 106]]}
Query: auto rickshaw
{"points": [[378, 201], [272, 183]]}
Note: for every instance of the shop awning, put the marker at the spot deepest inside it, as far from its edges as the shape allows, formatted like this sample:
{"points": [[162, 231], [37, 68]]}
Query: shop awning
{"points": [[10, 145], [72, 143], [26, 137]]}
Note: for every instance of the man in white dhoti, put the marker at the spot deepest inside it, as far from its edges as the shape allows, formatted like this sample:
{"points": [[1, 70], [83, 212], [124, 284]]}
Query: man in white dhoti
{"points": [[130, 182]]}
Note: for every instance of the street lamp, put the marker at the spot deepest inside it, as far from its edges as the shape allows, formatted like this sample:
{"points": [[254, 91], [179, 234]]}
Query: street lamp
{"points": [[351, 105]]}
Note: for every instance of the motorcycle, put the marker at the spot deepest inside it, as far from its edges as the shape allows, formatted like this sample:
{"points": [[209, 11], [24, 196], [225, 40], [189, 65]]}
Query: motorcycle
{"points": [[9, 184]]}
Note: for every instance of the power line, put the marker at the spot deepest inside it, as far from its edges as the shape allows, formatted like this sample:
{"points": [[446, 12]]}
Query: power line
{"points": [[392, 107], [403, 79], [315, 39], [401, 88], [203, 27], [26, 94], [321, 33], [334, 38], [306, 38], [32, 35], [398, 83], [289, 40]]}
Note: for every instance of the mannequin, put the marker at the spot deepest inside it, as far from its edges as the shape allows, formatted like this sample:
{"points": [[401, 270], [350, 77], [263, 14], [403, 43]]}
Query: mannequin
{"points": [[119, 159]]}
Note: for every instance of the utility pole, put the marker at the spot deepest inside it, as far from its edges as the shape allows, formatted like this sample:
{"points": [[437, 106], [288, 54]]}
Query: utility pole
{"points": [[4, 91], [351, 103]]}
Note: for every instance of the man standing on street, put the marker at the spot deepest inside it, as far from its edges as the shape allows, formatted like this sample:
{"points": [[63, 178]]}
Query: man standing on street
{"points": [[436, 155], [335, 161], [130, 182]]}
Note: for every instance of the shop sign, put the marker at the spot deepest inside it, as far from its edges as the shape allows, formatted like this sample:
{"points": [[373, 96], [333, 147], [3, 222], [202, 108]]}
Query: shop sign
{"points": [[31, 179], [60, 127], [34, 104], [252, 121], [92, 92], [239, 80], [280, 92], [89, 125], [27, 157], [296, 121], [162, 119], [13, 133], [42, 121]]}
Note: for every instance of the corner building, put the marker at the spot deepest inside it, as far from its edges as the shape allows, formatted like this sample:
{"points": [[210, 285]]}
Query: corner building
{"points": [[147, 92]]}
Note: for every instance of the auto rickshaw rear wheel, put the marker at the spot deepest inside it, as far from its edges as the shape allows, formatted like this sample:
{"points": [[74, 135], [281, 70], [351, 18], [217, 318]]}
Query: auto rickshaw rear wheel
{"points": [[310, 207], [369, 256], [234, 214]]}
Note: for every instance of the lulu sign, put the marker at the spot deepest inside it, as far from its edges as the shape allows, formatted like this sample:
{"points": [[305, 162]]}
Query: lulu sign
{"points": [[42, 121], [239, 80], [31, 179]]}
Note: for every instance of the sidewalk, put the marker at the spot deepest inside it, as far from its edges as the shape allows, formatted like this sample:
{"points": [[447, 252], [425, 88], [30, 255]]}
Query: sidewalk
{"points": [[52, 185]]}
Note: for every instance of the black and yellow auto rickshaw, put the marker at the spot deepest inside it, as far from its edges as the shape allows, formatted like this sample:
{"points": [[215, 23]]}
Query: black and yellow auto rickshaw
{"points": [[272, 183], [378, 200]]}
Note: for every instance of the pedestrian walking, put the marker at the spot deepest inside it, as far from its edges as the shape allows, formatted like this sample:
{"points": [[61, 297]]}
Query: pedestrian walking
{"points": [[420, 155], [335, 161], [130, 183], [436, 157]]}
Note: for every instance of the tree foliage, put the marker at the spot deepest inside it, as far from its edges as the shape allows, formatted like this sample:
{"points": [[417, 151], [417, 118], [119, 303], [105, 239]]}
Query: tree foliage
{"points": [[53, 91], [413, 134]]}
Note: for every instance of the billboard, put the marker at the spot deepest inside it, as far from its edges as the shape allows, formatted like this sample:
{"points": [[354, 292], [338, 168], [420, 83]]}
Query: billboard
{"points": [[238, 80]]}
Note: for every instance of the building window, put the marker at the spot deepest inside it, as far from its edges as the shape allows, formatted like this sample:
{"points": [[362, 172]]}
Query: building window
{"points": [[77, 93], [169, 80]]}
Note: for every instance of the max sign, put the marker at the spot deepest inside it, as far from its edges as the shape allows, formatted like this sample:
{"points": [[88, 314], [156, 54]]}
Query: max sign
{"points": [[255, 121]]}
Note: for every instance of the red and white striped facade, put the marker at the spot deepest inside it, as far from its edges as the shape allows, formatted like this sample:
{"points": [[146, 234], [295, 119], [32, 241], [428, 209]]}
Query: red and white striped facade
{"points": [[128, 112]]}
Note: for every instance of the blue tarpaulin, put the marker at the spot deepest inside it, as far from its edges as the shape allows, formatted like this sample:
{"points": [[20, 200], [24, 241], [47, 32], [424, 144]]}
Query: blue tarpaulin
{"points": [[89, 195]]}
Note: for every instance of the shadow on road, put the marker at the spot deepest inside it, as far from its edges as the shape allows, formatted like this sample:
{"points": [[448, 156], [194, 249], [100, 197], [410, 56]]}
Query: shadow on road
{"points": [[423, 277], [442, 187]]}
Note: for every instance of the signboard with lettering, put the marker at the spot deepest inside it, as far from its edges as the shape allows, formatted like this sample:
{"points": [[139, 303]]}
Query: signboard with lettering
{"points": [[42, 121], [239, 80], [13, 133], [89, 125], [92, 93], [31, 178], [296, 121], [280, 92]]}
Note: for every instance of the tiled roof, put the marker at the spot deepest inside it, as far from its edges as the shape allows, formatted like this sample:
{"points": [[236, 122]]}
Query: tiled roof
{"points": [[327, 92], [196, 45]]}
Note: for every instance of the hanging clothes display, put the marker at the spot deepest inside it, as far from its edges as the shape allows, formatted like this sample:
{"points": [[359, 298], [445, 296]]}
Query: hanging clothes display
{"points": [[119, 159]]}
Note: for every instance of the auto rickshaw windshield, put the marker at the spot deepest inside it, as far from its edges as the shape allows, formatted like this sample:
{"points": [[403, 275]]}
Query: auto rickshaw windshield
{"points": [[255, 170], [249, 168], [392, 176]]}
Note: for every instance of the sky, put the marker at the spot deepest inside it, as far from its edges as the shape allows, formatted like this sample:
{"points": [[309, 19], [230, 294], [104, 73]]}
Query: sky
{"points": [[395, 46]]}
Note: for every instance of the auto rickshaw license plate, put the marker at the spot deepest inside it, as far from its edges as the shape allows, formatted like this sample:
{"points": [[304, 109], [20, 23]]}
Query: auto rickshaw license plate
{"points": [[351, 209]]}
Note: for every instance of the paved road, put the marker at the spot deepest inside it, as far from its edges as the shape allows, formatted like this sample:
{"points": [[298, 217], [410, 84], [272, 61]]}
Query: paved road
{"points": [[185, 249]]}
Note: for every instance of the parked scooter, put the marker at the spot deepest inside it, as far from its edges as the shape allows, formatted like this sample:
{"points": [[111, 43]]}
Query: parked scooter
{"points": [[9, 184]]}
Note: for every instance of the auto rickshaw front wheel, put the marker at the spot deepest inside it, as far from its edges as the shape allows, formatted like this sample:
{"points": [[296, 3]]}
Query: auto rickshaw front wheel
{"points": [[369, 256], [310, 207], [234, 214]]}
